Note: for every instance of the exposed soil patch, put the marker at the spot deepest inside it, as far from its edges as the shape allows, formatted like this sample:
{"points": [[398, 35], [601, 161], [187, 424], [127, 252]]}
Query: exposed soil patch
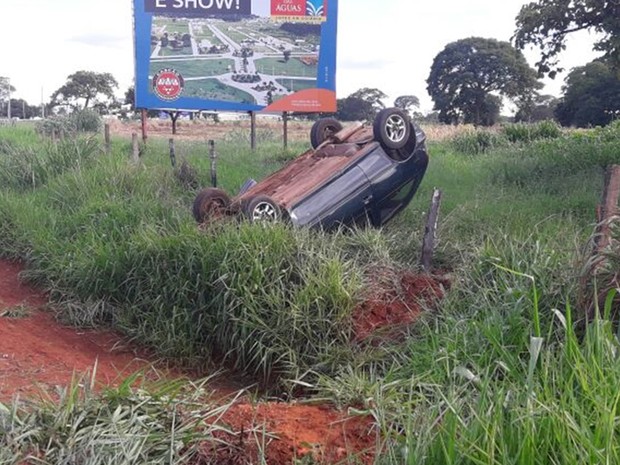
{"points": [[36, 353], [286, 432], [393, 301]]}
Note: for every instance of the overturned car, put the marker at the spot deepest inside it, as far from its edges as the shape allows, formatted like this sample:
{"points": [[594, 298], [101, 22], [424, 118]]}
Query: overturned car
{"points": [[358, 175]]}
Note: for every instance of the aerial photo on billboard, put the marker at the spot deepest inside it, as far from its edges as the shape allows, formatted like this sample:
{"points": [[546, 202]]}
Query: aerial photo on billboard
{"points": [[236, 55]]}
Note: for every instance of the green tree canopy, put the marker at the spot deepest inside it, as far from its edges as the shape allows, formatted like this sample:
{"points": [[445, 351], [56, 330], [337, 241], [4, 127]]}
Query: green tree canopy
{"points": [[5, 88], [546, 23], [407, 102], [469, 77], [85, 87], [537, 108], [591, 96], [362, 104]]}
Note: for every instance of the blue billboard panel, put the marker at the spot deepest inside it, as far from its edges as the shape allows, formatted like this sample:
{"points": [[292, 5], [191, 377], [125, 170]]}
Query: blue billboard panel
{"points": [[236, 55]]}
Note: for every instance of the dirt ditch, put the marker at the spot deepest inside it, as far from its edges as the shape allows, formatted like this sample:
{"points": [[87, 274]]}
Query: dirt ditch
{"points": [[37, 354]]}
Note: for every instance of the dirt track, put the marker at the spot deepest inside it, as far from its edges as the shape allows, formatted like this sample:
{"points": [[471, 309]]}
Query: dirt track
{"points": [[37, 354]]}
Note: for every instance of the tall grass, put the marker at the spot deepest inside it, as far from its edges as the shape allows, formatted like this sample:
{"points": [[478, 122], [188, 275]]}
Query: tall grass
{"points": [[497, 374], [115, 244], [164, 424]]}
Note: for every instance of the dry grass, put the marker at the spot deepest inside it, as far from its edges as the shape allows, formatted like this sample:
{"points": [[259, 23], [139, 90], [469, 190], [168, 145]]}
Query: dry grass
{"points": [[202, 129], [297, 130]]}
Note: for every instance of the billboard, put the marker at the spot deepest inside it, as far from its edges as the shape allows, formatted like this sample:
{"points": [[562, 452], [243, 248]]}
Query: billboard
{"points": [[236, 55]]}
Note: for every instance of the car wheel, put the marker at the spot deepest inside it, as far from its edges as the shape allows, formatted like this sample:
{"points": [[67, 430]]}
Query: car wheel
{"points": [[322, 129], [262, 208], [210, 203], [392, 128]]}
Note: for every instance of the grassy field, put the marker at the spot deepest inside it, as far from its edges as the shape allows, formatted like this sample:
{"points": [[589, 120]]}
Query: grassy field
{"points": [[504, 371], [295, 85], [216, 90], [194, 68], [292, 67]]}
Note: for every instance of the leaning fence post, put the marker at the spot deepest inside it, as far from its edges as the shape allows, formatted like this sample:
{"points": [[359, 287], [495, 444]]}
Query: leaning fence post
{"points": [[213, 157], [608, 207], [106, 137], [253, 131], [285, 129], [135, 147], [173, 156], [428, 245]]}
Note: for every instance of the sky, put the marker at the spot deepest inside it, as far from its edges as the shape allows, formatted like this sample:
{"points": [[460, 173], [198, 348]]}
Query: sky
{"points": [[388, 44]]}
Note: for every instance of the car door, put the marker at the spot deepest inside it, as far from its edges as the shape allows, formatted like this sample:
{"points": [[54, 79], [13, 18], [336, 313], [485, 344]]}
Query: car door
{"points": [[344, 199], [393, 183], [382, 173]]}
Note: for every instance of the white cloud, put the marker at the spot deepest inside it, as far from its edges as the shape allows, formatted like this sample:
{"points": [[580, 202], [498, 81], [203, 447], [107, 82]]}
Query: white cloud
{"points": [[389, 45]]}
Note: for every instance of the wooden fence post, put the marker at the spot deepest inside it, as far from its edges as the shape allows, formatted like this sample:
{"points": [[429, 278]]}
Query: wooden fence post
{"points": [[608, 207], [106, 136], [143, 117], [213, 157], [253, 130], [173, 156], [285, 124], [135, 148], [428, 244]]}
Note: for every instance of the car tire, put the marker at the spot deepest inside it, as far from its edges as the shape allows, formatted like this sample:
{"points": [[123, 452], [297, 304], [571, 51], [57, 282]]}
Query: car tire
{"points": [[322, 129], [262, 209], [392, 128], [210, 203]]}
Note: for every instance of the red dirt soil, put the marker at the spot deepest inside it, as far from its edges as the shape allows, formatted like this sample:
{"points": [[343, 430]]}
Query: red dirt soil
{"points": [[394, 301], [291, 431], [36, 353]]}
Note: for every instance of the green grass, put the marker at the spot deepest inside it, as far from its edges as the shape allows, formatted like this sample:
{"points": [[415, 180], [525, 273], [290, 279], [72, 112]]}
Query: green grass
{"points": [[137, 422], [295, 85], [215, 90], [505, 371], [169, 52], [194, 68], [277, 66]]}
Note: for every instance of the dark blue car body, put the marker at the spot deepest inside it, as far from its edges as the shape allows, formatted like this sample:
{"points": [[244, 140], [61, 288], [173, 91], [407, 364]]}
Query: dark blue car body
{"points": [[356, 176]]}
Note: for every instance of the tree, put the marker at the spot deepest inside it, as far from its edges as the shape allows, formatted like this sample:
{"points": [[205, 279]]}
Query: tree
{"points": [[591, 96], [469, 77], [546, 23], [362, 104], [130, 97], [406, 102], [537, 108], [87, 86], [373, 96], [353, 109], [5, 88]]}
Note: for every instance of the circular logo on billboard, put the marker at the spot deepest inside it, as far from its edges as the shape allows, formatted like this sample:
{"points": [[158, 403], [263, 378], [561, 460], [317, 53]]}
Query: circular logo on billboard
{"points": [[168, 84]]}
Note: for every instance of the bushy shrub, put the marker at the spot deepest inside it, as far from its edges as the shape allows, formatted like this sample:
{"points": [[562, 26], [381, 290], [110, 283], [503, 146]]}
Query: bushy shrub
{"points": [[478, 141], [54, 126], [26, 167], [79, 121], [609, 133], [528, 132], [86, 121]]}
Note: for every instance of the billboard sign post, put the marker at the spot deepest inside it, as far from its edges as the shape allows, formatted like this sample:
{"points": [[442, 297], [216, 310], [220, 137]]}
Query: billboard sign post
{"points": [[236, 55]]}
